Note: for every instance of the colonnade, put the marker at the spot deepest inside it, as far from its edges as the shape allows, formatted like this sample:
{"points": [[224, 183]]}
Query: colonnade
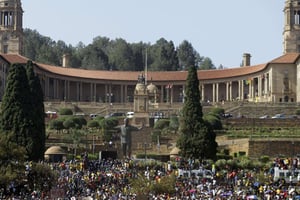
{"points": [[249, 88]]}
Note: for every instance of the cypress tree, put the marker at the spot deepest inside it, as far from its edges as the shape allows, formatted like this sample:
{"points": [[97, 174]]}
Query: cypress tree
{"points": [[37, 114], [197, 138], [16, 108], [23, 110]]}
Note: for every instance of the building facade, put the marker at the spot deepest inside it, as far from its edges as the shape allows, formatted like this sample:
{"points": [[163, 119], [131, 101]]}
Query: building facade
{"points": [[11, 26], [273, 81]]}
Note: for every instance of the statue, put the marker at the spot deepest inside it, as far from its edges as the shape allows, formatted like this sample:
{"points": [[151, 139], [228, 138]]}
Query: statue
{"points": [[125, 137], [141, 78]]}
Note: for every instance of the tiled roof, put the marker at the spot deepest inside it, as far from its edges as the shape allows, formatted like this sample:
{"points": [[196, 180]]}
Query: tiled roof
{"points": [[230, 72], [152, 75], [287, 58], [14, 58]]}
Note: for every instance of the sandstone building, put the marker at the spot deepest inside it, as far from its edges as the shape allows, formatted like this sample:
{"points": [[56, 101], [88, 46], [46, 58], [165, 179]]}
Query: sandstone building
{"points": [[274, 81]]}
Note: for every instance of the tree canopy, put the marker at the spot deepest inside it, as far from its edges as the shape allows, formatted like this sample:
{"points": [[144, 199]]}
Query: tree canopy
{"points": [[107, 54]]}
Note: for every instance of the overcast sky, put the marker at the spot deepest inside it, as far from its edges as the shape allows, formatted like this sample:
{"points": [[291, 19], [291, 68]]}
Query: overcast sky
{"points": [[221, 30]]}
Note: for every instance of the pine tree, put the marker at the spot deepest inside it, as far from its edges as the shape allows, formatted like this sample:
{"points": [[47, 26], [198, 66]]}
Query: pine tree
{"points": [[37, 102], [197, 139]]}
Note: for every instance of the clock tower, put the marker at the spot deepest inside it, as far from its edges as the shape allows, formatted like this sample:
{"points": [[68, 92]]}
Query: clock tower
{"points": [[11, 27], [291, 32]]}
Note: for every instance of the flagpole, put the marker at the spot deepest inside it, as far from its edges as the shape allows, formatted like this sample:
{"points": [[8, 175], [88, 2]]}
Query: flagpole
{"points": [[146, 66]]}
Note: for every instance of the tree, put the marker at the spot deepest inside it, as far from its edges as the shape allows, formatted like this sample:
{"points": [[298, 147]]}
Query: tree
{"points": [[197, 139], [43, 49], [121, 55], [57, 124], [17, 107], [93, 124], [37, 132], [41, 177], [174, 123], [94, 58], [206, 64], [164, 56], [108, 127], [221, 66], [106, 54], [12, 157], [139, 53], [186, 55]]}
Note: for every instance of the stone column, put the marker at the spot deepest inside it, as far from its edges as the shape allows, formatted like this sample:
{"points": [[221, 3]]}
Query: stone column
{"points": [[250, 89], [65, 90], [217, 92], [183, 93], [106, 94], [259, 87], [47, 87], [241, 89], [162, 93], [77, 92], [227, 91], [266, 84], [171, 94], [122, 94], [230, 91], [202, 92], [95, 92], [126, 93], [92, 98], [213, 93]]}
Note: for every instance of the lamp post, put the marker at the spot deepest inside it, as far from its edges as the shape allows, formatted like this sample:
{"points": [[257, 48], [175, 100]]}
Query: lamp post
{"points": [[145, 148], [109, 100], [93, 144]]}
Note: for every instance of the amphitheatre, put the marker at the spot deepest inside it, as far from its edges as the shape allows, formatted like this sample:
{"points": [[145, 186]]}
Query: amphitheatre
{"points": [[247, 92]]}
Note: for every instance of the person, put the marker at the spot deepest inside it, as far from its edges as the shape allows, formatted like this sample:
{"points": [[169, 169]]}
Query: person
{"points": [[125, 137]]}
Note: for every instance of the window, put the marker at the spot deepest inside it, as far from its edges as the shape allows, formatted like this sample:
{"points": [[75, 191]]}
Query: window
{"points": [[5, 48], [281, 174]]}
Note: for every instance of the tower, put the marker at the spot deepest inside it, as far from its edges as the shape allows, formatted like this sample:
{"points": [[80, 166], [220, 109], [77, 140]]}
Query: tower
{"points": [[11, 26], [291, 32]]}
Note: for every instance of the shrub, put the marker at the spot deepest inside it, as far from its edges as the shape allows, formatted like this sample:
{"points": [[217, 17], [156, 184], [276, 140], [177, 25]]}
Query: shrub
{"points": [[217, 111], [65, 111], [162, 123], [264, 159], [214, 121], [56, 124], [93, 124]]}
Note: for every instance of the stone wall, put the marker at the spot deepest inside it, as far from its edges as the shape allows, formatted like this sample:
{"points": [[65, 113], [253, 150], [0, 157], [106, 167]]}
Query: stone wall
{"points": [[256, 148], [274, 147]]}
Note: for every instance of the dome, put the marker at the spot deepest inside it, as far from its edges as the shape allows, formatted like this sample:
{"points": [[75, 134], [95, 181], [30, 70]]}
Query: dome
{"points": [[55, 150], [140, 87], [152, 88]]}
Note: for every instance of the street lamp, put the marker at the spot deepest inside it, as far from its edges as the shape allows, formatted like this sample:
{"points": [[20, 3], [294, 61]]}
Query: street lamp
{"points": [[93, 144], [145, 148]]}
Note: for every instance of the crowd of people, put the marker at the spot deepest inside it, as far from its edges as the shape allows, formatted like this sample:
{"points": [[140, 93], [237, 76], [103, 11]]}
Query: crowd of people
{"points": [[109, 179]]}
